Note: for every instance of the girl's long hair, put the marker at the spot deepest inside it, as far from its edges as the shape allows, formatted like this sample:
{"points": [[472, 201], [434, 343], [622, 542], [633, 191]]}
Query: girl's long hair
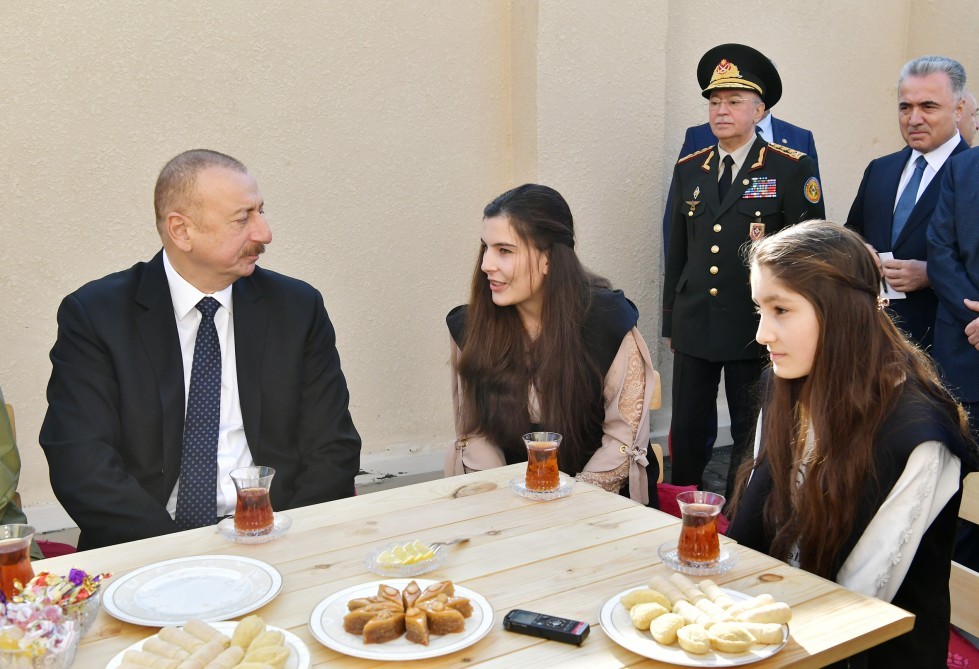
{"points": [[860, 365], [499, 361]]}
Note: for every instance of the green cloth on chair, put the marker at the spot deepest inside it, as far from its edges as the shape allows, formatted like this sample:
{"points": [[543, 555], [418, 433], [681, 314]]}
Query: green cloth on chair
{"points": [[10, 513]]}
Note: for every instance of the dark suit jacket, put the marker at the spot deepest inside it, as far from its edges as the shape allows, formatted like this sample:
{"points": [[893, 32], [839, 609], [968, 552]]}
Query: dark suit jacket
{"points": [[953, 267], [114, 426], [872, 215], [707, 240], [699, 136]]}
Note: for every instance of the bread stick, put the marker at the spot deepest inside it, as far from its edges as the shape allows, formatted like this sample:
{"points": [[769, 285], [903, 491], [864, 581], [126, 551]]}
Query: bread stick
{"points": [[716, 595], [717, 613], [779, 612], [181, 638], [766, 633], [740, 607], [664, 586]]}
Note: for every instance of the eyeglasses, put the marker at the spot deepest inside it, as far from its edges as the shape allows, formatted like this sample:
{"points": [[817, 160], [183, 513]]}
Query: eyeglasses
{"points": [[734, 104]]}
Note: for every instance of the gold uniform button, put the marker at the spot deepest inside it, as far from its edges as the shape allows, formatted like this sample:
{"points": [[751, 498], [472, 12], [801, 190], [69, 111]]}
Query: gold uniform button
{"points": [[713, 292], [713, 269], [745, 182], [717, 227], [715, 249], [757, 213], [689, 213]]}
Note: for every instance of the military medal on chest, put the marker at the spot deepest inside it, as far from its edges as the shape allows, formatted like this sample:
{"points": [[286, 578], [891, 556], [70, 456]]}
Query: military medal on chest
{"points": [[757, 229], [694, 202]]}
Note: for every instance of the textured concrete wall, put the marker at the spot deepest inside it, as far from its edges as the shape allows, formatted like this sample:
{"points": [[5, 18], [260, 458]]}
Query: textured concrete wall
{"points": [[377, 131]]}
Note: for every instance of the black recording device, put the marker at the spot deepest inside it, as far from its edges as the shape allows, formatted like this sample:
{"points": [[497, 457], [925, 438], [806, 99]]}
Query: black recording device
{"points": [[546, 627]]}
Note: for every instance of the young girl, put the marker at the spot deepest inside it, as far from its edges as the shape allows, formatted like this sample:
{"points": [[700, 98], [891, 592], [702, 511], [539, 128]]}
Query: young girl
{"points": [[860, 451], [545, 345]]}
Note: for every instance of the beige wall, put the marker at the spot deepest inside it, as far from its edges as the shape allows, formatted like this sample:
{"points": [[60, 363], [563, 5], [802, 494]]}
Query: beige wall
{"points": [[378, 130]]}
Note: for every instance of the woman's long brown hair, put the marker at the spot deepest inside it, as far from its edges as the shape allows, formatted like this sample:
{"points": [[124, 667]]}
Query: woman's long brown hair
{"points": [[499, 361], [860, 364]]}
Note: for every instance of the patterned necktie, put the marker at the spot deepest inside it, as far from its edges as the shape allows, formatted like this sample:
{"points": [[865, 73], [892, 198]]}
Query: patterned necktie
{"points": [[197, 493], [724, 185], [908, 197]]}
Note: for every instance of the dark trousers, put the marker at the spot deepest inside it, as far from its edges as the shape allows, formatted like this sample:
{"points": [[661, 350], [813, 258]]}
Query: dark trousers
{"points": [[695, 383]]}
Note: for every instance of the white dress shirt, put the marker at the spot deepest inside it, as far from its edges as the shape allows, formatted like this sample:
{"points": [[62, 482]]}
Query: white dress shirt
{"points": [[935, 161], [232, 446]]}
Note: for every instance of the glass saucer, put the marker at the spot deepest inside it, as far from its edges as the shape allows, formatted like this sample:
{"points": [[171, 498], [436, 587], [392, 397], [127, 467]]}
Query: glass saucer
{"points": [[226, 528], [519, 486], [668, 553], [404, 570]]}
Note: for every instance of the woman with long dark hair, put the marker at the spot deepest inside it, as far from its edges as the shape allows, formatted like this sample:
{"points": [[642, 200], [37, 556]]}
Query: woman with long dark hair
{"points": [[545, 345], [860, 450]]}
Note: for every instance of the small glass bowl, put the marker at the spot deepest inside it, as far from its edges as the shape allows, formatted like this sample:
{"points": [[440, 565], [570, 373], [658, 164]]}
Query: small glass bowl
{"points": [[85, 612], [18, 659], [404, 570]]}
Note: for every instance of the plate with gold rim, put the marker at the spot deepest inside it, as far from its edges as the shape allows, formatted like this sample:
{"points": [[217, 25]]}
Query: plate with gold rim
{"points": [[326, 625], [203, 587], [617, 624], [299, 657]]}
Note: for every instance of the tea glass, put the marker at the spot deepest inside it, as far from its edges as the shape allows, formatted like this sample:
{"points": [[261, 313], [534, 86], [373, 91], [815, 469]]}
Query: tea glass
{"points": [[15, 556], [253, 512], [699, 545], [542, 469]]}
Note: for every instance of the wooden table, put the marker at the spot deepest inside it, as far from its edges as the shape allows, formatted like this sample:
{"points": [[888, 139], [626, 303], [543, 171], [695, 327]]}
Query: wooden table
{"points": [[564, 557]]}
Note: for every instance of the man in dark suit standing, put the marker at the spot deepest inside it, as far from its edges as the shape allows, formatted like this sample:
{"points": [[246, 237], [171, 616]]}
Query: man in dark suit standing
{"points": [[953, 267], [898, 193], [724, 196], [247, 355]]}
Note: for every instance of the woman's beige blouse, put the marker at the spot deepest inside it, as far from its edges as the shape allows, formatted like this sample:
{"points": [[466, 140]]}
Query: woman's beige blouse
{"points": [[629, 386]]}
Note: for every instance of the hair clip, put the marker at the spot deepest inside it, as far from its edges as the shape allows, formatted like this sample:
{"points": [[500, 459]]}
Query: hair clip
{"points": [[882, 302]]}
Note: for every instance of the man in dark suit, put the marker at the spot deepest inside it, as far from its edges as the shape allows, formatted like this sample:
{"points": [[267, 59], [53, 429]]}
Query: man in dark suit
{"points": [[254, 367], [725, 196], [953, 267], [898, 193]]}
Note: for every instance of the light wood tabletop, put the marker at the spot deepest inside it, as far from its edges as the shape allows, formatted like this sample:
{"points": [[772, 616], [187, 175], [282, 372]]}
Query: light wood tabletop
{"points": [[565, 557]]}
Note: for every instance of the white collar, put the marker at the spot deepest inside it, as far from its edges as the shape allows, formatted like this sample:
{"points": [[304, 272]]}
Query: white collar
{"points": [[937, 157], [185, 297]]}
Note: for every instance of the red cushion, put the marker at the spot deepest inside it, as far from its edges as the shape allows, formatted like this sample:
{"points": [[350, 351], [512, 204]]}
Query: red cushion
{"points": [[54, 548], [961, 653], [667, 493]]}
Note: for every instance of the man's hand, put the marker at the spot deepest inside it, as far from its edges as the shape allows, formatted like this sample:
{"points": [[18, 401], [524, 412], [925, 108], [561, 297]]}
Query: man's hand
{"points": [[972, 329], [906, 275]]}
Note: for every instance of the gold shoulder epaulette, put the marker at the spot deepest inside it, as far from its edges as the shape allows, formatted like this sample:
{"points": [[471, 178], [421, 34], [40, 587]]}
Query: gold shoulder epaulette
{"points": [[786, 151], [694, 154]]}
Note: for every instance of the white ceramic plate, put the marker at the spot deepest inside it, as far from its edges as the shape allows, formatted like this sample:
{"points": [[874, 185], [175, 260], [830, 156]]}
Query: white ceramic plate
{"points": [[326, 624], [299, 657], [212, 587], [617, 624]]}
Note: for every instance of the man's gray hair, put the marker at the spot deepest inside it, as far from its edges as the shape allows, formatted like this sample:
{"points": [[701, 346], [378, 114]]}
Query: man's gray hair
{"points": [[925, 65]]}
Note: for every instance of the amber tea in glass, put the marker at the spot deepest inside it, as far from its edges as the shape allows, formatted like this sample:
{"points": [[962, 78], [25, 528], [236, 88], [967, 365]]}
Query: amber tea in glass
{"points": [[253, 513], [542, 470], [15, 557], [699, 545]]}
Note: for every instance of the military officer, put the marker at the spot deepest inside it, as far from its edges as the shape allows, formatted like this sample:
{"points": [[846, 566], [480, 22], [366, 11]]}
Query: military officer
{"points": [[725, 196]]}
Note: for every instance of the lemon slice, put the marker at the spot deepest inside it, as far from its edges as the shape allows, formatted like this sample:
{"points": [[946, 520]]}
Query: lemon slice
{"points": [[406, 554]]}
